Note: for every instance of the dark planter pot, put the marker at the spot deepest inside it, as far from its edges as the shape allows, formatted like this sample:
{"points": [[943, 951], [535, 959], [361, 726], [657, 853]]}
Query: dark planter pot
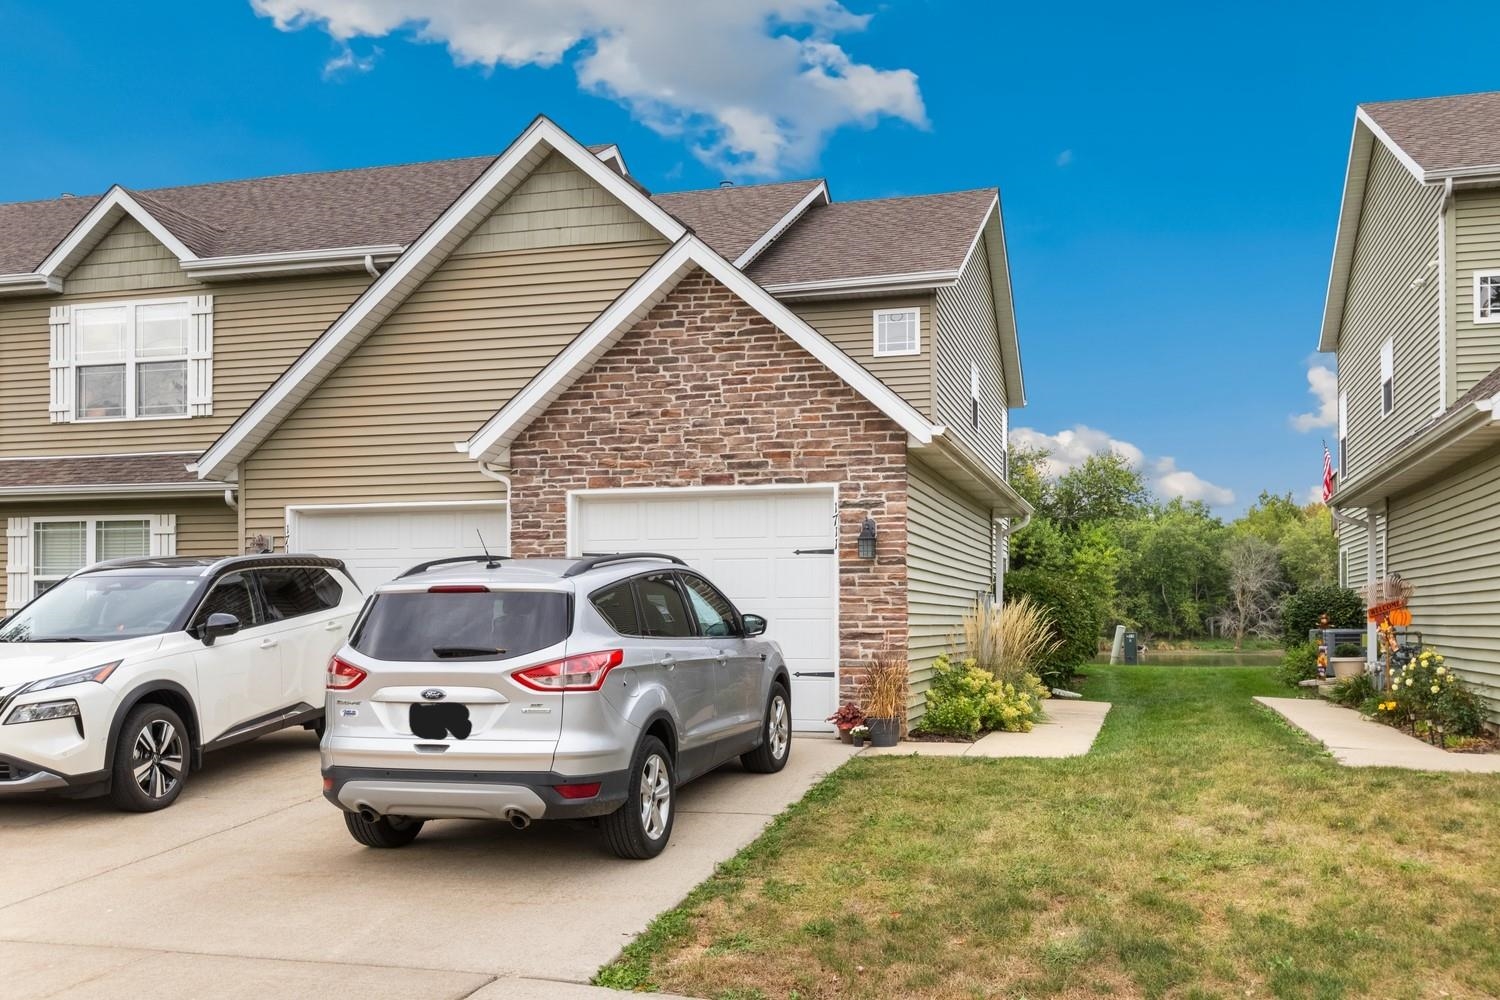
{"points": [[859, 741], [847, 735], [884, 732]]}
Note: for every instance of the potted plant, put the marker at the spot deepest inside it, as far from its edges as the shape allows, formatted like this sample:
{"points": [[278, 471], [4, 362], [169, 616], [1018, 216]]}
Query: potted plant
{"points": [[860, 734], [845, 719], [1348, 661], [884, 688]]}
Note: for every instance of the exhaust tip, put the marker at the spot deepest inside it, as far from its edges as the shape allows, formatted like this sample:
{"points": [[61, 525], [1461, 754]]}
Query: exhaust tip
{"points": [[518, 819], [367, 814]]}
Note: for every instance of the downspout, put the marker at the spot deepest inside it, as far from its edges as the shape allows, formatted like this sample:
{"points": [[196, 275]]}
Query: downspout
{"points": [[370, 265], [1445, 203], [229, 498], [489, 472], [1004, 528]]}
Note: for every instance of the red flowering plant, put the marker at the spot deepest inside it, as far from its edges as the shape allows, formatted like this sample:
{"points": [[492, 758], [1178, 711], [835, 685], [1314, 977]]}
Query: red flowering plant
{"points": [[847, 717]]}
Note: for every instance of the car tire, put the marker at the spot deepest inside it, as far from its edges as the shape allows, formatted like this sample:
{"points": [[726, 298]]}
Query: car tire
{"points": [[384, 831], [153, 754], [641, 827], [775, 735]]}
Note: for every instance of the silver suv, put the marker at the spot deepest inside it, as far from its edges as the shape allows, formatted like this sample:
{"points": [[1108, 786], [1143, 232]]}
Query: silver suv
{"points": [[527, 689]]}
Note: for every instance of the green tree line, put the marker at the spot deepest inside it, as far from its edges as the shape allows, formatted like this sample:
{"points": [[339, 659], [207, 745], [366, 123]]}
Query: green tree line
{"points": [[1169, 569]]}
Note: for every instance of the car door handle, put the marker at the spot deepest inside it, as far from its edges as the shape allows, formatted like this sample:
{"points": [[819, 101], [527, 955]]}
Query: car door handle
{"points": [[669, 661], [268, 644], [333, 626], [723, 657]]}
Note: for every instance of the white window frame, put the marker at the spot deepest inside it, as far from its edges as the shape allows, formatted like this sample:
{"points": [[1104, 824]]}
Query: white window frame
{"points": [[1387, 377], [196, 357], [974, 394], [914, 313], [1479, 318], [1343, 434], [161, 534], [1343, 567]]}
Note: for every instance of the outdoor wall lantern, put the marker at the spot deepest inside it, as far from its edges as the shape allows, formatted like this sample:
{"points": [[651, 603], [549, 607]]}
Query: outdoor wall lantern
{"points": [[867, 539]]}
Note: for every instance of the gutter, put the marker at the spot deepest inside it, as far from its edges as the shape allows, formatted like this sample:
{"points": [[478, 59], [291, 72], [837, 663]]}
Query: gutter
{"points": [[254, 264], [87, 492], [1429, 445]]}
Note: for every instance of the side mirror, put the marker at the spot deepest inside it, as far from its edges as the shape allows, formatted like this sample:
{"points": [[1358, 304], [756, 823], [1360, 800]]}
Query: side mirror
{"points": [[217, 626], [754, 624]]}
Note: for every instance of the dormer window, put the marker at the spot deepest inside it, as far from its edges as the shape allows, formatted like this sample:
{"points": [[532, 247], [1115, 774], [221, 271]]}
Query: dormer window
{"points": [[1487, 296], [145, 360], [1387, 377], [897, 331]]}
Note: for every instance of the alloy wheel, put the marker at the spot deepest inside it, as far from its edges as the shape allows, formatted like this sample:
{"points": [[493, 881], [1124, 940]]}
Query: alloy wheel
{"points": [[781, 727], [656, 796], [157, 758]]}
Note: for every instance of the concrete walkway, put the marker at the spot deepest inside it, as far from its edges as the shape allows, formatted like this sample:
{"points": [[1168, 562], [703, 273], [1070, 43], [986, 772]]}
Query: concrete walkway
{"points": [[1356, 741], [1069, 731]]}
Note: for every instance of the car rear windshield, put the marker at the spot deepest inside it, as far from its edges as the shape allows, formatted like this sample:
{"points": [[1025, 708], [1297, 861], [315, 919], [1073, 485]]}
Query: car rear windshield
{"points": [[462, 625]]}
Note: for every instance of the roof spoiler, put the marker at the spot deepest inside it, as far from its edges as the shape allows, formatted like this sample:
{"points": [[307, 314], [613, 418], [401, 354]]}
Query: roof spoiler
{"points": [[601, 559]]}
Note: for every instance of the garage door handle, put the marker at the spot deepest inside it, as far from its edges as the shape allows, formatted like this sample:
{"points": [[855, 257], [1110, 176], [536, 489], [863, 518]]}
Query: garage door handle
{"points": [[268, 644], [813, 673]]}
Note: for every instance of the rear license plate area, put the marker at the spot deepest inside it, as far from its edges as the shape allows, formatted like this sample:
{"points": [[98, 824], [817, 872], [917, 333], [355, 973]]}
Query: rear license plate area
{"points": [[439, 722]]}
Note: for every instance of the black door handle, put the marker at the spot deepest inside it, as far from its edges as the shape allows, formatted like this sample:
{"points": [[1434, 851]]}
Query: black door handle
{"points": [[813, 673]]}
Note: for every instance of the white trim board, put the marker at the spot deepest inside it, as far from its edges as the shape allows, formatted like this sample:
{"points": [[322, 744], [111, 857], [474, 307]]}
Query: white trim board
{"points": [[817, 194], [493, 439], [387, 292], [294, 511], [107, 211]]}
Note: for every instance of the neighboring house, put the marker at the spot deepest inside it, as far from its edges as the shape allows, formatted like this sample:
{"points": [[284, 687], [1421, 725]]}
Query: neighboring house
{"points": [[384, 365], [1414, 313]]}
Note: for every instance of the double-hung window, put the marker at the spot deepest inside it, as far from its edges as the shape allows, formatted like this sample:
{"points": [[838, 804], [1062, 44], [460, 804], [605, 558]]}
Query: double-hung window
{"points": [[146, 360], [1343, 434], [898, 331], [1487, 296], [65, 545]]}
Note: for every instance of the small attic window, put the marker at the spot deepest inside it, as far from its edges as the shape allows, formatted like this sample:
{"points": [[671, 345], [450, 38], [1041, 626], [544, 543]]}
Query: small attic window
{"points": [[897, 331], [1487, 296]]}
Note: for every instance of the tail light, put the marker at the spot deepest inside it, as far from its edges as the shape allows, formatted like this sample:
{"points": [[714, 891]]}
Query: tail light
{"points": [[582, 672], [458, 588], [343, 675], [587, 791]]}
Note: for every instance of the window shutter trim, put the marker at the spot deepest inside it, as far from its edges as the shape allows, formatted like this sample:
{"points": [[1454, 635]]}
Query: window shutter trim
{"points": [[17, 562], [60, 363], [201, 356], [164, 534]]}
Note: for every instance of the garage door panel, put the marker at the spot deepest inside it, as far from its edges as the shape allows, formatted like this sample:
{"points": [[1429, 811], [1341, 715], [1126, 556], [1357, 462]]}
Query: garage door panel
{"points": [[745, 544], [379, 545]]}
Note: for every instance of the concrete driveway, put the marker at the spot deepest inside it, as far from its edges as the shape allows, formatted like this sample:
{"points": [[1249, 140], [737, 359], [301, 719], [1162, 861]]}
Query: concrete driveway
{"points": [[250, 887]]}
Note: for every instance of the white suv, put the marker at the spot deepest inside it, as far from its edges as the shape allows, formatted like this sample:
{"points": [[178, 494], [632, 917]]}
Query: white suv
{"points": [[119, 677]]}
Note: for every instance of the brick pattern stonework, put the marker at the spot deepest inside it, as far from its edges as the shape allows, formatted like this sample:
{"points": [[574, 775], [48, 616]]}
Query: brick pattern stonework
{"points": [[704, 391]]}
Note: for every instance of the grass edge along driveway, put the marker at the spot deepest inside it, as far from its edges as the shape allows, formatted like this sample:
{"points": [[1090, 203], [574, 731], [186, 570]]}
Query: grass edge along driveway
{"points": [[1203, 849]]}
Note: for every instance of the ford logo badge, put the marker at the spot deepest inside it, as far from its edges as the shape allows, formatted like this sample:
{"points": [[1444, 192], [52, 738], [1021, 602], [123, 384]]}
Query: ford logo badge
{"points": [[434, 694]]}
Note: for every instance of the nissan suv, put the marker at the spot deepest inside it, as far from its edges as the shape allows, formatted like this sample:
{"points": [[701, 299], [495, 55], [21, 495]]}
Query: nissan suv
{"points": [[118, 678], [530, 689]]}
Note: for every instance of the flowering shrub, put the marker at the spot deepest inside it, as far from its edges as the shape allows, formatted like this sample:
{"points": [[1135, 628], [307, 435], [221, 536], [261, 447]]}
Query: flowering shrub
{"points": [[965, 698], [1426, 696]]}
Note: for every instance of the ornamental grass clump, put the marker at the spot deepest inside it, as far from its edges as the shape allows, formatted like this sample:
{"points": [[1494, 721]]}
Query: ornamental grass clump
{"points": [[989, 681], [884, 685], [1009, 641]]}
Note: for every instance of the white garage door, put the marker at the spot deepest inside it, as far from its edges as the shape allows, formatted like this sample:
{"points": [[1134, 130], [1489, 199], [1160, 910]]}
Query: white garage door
{"points": [[746, 542], [379, 544]]}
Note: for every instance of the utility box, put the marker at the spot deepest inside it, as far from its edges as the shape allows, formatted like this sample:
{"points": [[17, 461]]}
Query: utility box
{"points": [[1132, 650]]}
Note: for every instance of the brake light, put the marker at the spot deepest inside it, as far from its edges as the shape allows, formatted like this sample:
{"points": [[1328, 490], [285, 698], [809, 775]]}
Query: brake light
{"points": [[578, 791], [343, 675], [582, 672], [459, 589]]}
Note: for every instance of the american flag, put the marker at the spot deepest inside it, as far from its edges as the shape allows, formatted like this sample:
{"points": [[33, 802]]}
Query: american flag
{"points": [[1327, 473]]}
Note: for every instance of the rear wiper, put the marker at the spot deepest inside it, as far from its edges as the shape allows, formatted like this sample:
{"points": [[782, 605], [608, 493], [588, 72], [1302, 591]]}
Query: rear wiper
{"points": [[449, 652]]}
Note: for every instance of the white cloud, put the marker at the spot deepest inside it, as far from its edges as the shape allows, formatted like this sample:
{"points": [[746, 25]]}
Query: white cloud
{"points": [[1323, 383], [1064, 158], [755, 87], [1314, 494], [1067, 450], [346, 60]]}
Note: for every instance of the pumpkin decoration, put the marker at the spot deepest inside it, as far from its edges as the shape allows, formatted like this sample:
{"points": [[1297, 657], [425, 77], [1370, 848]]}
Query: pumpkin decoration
{"points": [[1401, 617]]}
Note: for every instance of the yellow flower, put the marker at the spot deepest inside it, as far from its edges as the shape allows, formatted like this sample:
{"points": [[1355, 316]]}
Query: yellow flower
{"points": [[1440, 671], [1408, 682], [1436, 688]]}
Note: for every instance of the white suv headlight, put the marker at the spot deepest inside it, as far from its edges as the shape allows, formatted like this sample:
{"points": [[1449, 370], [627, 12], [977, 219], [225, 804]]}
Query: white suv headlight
{"points": [[43, 711], [97, 674]]}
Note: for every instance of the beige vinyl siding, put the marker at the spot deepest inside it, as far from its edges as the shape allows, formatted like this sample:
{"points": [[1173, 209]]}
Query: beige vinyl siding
{"points": [[260, 327], [382, 427], [1476, 247], [965, 334], [949, 565], [850, 325], [557, 205], [1398, 237], [205, 527], [126, 257], [1445, 539], [1354, 553]]}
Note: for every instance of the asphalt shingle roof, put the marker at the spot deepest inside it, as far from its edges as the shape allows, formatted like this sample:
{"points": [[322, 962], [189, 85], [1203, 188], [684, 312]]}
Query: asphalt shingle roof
{"points": [[731, 219], [97, 470], [1444, 134], [866, 239]]}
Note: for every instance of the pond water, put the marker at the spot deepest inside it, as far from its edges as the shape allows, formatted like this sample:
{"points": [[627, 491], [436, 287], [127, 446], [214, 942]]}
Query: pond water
{"points": [[1207, 658]]}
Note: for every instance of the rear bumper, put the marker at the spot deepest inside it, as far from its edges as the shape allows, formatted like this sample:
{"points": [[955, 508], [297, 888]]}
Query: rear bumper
{"points": [[469, 794]]}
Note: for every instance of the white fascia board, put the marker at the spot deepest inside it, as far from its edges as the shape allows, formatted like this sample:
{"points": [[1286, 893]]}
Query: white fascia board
{"points": [[883, 282], [1351, 208], [993, 209], [106, 212], [1005, 313], [407, 273], [817, 194], [1412, 166], [28, 284], [612, 152], [251, 264], [105, 490], [496, 435]]}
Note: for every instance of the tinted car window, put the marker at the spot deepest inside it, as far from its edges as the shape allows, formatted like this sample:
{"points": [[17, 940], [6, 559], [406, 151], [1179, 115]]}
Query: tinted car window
{"points": [[230, 596], [716, 617], [664, 613], [100, 606], [617, 605], [298, 590], [491, 625]]}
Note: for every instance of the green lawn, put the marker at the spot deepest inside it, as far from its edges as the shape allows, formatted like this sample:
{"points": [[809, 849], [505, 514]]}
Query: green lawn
{"points": [[1202, 850]]}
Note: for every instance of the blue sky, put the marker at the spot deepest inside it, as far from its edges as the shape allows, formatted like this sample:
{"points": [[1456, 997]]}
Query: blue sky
{"points": [[1170, 181]]}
